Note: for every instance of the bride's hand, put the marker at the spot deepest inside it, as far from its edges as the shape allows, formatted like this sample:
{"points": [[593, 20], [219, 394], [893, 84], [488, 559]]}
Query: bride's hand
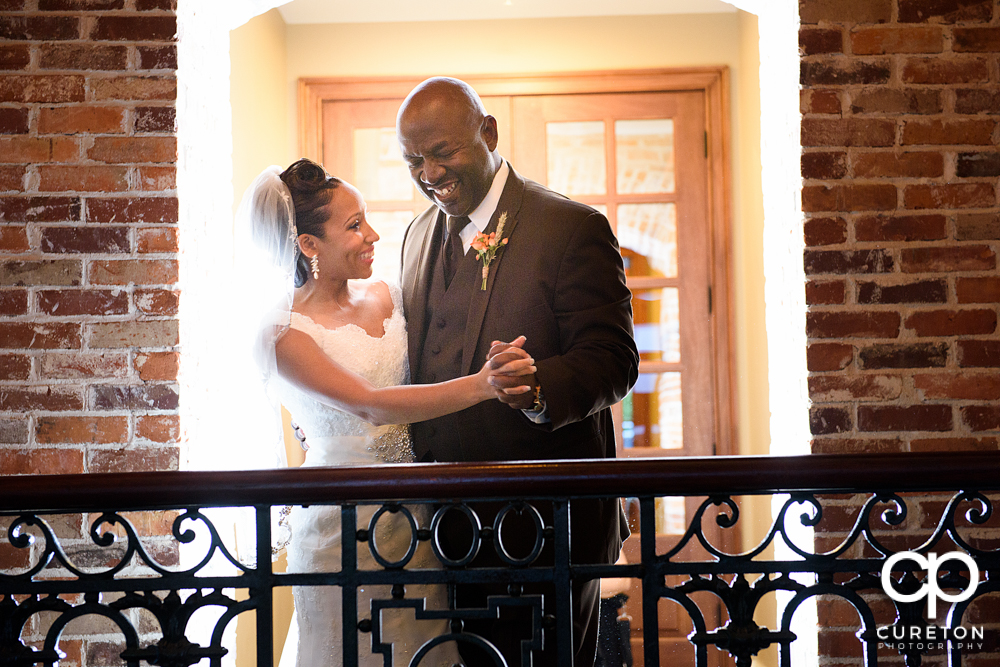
{"points": [[512, 370]]}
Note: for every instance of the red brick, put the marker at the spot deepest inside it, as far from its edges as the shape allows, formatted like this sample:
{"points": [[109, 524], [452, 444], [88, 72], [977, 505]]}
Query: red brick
{"points": [[14, 56], [148, 5], [12, 177], [133, 209], [904, 418], [38, 28], [20, 149], [898, 165], [54, 399], [85, 240], [825, 231], [13, 431], [37, 461], [15, 367], [155, 119], [138, 459], [156, 302], [901, 228], [135, 28], [43, 88], [953, 322], [828, 357], [982, 40], [48, 272], [13, 302], [825, 40], [82, 178], [982, 417], [967, 386], [79, 430], [81, 119], [978, 165], [896, 39], [13, 239], [912, 355], [979, 353], [881, 100], [845, 11], [844, 72], [157, 365], [923, 291], [13, 121], [847, 261], [82, 57], [826, 420], [953, 445], [820, 101], [978, 290], [157, 57], [950, 195], [977, 100], [134, 397], [977, 227], [953, 258], [152, 179], [849, 131], [158, 428], [854, 197], [134, 88], [824, 165], [83, 365], [847, 324], [976, 132], [133, 333], [140, 272], [78, 5], [944, 11], [65, 303], [157, 240], [843, 388], [857, 446], [825, 293], [39, 335], [946, 71], [128, 150]]}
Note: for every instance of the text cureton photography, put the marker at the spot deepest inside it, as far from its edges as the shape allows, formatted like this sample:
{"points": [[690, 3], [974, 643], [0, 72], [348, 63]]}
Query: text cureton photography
{"points": [[930, 637]]}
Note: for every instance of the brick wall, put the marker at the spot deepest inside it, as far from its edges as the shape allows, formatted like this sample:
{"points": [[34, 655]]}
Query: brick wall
{"points": [[88, 215], [900, 101]]}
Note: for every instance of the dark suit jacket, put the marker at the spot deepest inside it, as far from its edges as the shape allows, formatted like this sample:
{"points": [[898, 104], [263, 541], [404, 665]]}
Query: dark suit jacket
{"points": [[560, 282]]}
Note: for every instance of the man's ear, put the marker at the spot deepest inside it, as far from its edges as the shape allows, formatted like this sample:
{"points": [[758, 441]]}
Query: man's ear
{"points": [[489, 132]]}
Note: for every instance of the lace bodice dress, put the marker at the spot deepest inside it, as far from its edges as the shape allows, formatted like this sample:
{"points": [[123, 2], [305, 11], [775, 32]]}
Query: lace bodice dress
{"points": [[336, 438]]}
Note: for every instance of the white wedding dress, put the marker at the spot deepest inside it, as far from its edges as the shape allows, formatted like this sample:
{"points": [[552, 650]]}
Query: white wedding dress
{"points": [[336, 438]]}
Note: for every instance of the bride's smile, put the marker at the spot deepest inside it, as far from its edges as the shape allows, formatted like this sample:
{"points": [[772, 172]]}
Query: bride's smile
{"points": [[346, 250]]}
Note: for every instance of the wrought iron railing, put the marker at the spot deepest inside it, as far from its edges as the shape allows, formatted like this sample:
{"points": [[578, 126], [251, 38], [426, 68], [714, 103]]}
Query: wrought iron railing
{"points": [[864, 509]]}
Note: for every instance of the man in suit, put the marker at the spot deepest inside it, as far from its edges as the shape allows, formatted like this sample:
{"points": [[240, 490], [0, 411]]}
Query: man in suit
{"points": [[559, 281]]}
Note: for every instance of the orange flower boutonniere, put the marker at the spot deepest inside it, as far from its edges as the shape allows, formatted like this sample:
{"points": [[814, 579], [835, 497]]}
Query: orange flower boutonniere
{"points": [[488, 245]]}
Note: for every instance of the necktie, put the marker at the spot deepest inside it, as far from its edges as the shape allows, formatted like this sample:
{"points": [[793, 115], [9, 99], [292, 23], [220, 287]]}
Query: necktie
{"points": [[453, 250]]}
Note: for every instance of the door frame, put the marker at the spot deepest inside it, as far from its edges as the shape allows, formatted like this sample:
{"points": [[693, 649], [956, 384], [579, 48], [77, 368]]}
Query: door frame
{"points": [[313, 92]]}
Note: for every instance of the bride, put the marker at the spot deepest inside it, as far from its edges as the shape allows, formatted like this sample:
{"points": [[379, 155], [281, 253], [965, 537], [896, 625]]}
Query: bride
{"points": [[335, 355]]}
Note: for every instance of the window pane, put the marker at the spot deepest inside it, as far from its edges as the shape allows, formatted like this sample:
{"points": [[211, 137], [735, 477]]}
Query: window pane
{"points": [[379, 170], [575, 158], [644, 151], [656, 314], [390, 226], [651, 413], [647, 234]]}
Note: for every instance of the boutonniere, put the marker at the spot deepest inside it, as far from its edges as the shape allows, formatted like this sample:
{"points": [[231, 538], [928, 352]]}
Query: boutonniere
{"points": [[488, 245]]}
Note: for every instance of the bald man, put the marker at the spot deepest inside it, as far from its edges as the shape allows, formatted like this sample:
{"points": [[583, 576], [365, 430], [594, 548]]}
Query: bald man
{"points": [[559, 281]]}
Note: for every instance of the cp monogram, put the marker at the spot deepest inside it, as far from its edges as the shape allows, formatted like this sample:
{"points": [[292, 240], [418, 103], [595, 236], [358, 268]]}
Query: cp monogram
{"points": [[930, 588]]}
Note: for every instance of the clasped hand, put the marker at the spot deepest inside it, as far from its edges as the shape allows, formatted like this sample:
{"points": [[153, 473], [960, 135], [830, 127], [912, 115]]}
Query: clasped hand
{"points": [[516, 389]]}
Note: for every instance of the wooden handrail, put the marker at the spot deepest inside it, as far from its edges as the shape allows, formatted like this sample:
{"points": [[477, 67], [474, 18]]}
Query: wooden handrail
{"points": [[729, 475]]}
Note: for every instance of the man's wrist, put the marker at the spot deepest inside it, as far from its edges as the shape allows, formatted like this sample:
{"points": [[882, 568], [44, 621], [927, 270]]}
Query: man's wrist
{"points": [[538, 406]]}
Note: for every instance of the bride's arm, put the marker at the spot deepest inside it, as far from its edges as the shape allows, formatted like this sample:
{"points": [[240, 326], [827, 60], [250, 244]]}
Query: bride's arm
{"points": [[304, 365]]}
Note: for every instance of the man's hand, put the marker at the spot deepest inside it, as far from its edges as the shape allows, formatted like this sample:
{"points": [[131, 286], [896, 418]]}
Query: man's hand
{"points": [[497, 357]]}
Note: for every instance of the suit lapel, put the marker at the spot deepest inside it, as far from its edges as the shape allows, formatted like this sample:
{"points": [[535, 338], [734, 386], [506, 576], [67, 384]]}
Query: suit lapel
{"points": [[510, 202], [418, 263]]}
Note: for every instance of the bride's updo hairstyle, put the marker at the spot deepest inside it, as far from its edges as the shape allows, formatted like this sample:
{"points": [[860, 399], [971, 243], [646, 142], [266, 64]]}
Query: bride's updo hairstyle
{"points": [[311, 189]]}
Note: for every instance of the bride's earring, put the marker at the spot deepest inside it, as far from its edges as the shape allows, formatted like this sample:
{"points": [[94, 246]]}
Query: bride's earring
{"points": [[314, 263]]}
